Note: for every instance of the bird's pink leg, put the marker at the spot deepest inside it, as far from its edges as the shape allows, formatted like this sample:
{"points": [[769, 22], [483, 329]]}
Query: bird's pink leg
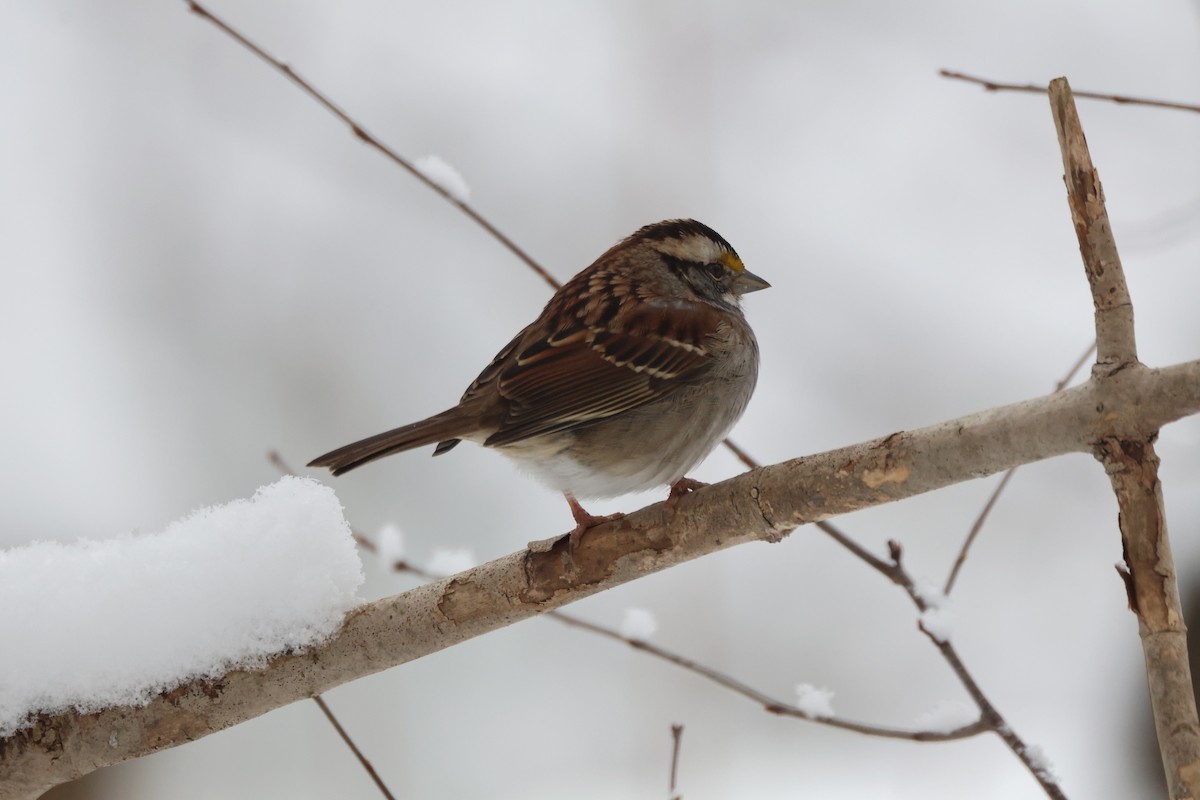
{"points": [[585, 521]]}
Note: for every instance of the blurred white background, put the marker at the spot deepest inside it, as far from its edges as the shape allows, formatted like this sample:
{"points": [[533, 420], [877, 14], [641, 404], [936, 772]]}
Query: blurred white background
{"points": [[200, 264]]}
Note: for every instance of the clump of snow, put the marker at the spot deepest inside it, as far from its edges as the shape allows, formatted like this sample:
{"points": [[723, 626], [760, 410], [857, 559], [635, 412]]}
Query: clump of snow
{"points": [[938, 623], [947, 716], [93, 624], [1041, 764], [814, 702], [449, 560], [444, 176], [389, 545], [638, 624], [931, 595]]}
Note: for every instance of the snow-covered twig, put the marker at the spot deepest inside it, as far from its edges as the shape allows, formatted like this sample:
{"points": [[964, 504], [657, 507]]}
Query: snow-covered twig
{"points": [[989, 717], [769, 704]]}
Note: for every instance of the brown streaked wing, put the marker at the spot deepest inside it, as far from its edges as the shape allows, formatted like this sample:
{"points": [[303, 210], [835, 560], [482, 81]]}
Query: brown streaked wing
{"points": [[581, 375], [490, 371]]}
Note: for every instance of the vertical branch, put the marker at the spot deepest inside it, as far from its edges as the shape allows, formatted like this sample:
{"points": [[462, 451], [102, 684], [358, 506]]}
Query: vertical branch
{"points": [[1154, 597], [1128, 457], [676, 741], [1115, 343]]}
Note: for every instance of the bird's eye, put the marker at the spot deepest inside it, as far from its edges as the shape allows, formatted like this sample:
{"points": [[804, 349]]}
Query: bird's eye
{"points": [[715, 270]]}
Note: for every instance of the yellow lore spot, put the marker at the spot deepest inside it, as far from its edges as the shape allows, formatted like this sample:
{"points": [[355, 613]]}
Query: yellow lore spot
{"points": [[733, 262]]}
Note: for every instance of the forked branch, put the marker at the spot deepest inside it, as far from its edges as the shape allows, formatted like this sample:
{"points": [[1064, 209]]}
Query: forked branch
{"points": [[1127, 453]]}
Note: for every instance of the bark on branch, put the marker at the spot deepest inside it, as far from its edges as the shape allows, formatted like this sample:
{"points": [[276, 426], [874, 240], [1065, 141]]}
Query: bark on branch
{"points": [[1128, 457], [763, 504]]}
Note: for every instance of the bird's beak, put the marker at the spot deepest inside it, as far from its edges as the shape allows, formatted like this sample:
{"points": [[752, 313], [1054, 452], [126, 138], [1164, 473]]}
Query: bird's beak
{"points": [[746, 281]]}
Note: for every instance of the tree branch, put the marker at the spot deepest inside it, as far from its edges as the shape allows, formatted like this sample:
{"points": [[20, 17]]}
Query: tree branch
{"points": [[367, 138], [768, 703], [1129, 458], [990, 719], [977, 526], [676, 740], [1034, 88], [362, 759], [1116, 346], [764, 504]]}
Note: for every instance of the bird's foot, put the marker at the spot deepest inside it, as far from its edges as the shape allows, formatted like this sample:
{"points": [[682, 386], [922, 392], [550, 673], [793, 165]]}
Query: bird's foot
{"points": [[584, 521], [680, 488]]}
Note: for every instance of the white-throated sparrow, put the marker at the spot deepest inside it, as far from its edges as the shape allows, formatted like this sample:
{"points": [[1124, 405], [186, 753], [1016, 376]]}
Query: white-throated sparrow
{"points": [[636, 368]]}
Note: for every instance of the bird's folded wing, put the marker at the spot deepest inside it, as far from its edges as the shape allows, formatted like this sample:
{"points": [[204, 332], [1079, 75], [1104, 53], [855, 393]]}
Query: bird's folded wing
{"points": [[584, 373]]}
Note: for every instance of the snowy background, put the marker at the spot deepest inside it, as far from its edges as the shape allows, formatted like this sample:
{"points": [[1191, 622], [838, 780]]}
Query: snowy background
{"points": [[199, 264]]}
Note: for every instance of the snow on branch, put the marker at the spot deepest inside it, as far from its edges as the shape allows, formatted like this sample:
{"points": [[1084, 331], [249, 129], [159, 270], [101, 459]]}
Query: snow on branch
{"points": [[117, 622]]}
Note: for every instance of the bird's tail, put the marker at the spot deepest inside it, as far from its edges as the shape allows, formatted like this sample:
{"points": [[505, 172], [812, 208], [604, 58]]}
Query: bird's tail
{"points": [[445, 428]]}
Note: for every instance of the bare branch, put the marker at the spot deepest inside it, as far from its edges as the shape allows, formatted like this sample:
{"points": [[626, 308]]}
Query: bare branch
{"points": [[742, 455], [976, 527], [768, 703], [359, 131], [1033, 88], [765, 504], [366, 764], [1115, 344], [676, 741], [1078, 365], [991, 501], [989, 718], [1132, 465]]}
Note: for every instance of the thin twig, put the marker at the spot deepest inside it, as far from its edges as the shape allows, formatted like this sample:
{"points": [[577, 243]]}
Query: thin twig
{"points": [[742, 455], [991, 502], [1078, 365], [996, 86], [989, 716], [358, 130], [320, 701], [768, 703], [676, 741], [976, 527]]}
